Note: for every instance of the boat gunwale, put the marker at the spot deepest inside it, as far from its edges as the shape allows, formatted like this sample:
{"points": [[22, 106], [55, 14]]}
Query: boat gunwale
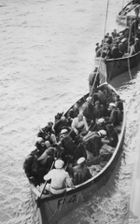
{"points": [[117, 59]]}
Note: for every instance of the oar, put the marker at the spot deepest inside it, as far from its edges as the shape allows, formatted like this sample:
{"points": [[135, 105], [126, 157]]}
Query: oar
{"points": [[45, 184]]}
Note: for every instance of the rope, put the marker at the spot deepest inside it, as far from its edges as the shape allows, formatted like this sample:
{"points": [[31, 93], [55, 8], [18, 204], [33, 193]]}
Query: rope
{"points": [[92, 89], [128, 60], [129, 70], [45, 182]]}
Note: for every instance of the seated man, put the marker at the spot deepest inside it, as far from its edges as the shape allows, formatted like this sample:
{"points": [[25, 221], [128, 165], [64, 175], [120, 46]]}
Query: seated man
{"points": [[94, 144], [112, 135], [115, 114], [68, 146], [59, 179], [99, 95], [40, 145], [88, 110], [73, 112], [118, 102], [80, 150], [93, 80], [61, 122], [99, 124], [81, 172], [99, 110], [115, 51], [47, 133], [79, 124]]}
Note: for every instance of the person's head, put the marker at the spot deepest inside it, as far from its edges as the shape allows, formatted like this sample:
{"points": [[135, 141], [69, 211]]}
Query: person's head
{"points": [[63, 118], [50, 151], [112, 105], [109, 128], [136, 40], [49, 127], [115, 31], [58, 116], [59, 164], [117, 97], [97, 103], [89, 99], [47, 144], [71, 113], [102, 133], [75, 106], [42, 143], [81, 161], [100, 121], [48, 130], [64, 132], [39, 140], [123, 40]]}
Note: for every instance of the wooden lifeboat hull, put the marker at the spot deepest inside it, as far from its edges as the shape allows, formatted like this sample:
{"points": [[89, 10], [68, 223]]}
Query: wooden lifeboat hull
{"points": [[111, 68]]}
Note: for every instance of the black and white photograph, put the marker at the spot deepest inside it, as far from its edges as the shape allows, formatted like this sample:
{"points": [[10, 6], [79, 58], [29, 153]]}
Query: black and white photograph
{"points": [[70, 111]]}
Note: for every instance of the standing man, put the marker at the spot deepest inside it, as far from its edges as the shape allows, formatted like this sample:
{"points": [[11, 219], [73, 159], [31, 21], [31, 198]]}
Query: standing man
{"points": [[93, 79]]}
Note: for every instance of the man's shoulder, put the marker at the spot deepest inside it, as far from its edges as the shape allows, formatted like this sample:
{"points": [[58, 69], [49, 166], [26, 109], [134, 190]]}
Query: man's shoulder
{"points": [[63, 171]]}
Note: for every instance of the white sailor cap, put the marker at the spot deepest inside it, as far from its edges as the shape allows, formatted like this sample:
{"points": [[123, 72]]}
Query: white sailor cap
{"points": [[100, 120], [123, 40], [81, 160], [64, 131], [47, 144], [102, 133], [39, 139], [89, 99], [112, 104], [59, 164]]}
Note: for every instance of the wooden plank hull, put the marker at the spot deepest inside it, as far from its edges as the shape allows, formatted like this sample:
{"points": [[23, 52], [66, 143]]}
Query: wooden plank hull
{"points": [[53, 208], [111, 68]]}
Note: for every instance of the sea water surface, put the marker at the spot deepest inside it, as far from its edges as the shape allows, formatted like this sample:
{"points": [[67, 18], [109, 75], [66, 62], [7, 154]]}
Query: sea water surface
{"points": [[46, 54]]}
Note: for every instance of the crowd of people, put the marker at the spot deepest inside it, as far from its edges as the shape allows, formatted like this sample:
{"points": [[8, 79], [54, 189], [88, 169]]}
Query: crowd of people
{"points": [[120, 44], [62, 146]]}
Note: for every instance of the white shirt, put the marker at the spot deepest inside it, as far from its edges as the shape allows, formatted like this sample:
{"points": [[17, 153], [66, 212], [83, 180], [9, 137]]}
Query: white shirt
{"points": [[79, 125], [59, 178]]}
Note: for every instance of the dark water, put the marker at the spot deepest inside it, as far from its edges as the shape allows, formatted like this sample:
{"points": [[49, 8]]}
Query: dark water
{"points": [[47, 51]]}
